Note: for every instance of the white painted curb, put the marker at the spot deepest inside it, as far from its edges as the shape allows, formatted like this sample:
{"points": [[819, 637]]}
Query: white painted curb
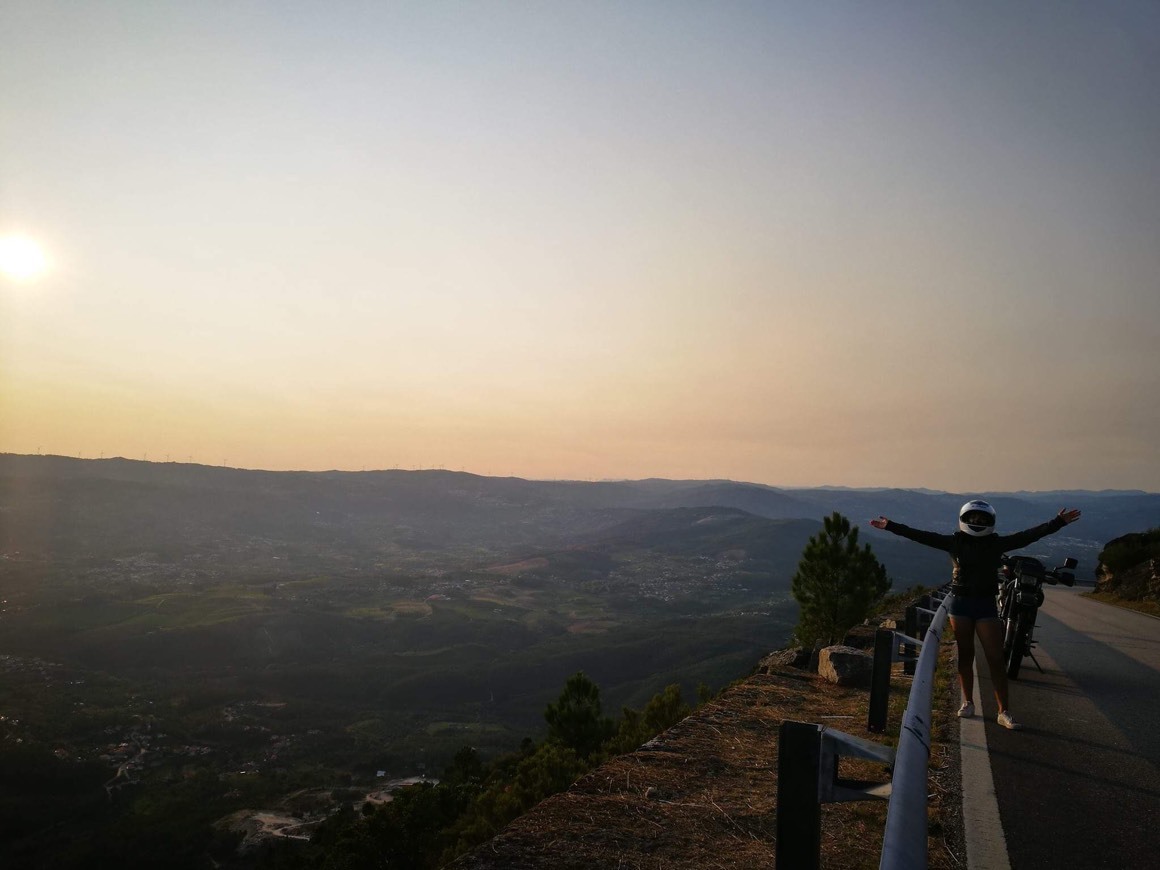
{"points": [[986, 843]]}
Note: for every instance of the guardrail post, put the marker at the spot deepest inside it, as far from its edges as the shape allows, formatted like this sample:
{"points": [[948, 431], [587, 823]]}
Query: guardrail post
{"points": [[911, 629], [885, 648], [799, 814]]}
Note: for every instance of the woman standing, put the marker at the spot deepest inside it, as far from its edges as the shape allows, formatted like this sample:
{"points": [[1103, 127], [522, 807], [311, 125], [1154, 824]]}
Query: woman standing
{"points": [[976, 553]]}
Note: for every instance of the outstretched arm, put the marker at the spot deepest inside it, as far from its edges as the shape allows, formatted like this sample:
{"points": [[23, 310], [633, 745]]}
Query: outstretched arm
{"points": [[929, 539], [1030, 536]]}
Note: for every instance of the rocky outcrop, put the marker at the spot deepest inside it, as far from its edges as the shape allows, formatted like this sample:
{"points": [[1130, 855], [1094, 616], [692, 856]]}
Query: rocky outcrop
{"points": [[845, 666], [1139, 583], [861, 636], [790, 657]]}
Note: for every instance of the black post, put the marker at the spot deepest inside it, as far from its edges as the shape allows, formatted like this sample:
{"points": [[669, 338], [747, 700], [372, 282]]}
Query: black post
{"points": [[911, 630], [799, 814], [884, 646]]}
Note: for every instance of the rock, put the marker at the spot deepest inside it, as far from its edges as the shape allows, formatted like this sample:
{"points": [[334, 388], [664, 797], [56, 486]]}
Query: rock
{"points": [[812, 667], [860, 637], [790, 657], [889, 624], [845, 666], [1141, 582]]}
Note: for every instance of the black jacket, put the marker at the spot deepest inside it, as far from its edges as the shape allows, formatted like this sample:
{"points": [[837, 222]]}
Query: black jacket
{"points": [[976, 561]]}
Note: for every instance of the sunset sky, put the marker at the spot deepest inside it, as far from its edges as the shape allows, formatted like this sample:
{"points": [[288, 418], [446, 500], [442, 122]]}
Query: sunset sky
{"points": [[797, 243]]}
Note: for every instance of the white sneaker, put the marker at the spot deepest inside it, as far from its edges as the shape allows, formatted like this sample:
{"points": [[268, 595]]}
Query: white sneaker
{"points": [[1008, 721], [966, 711]]}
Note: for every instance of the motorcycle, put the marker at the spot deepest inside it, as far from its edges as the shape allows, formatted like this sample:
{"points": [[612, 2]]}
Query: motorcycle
{"points": [[1021, 580]]}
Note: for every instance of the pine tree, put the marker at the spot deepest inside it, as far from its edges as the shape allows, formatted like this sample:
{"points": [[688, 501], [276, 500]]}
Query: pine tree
{"points": [[637, 727], [575, 720], [837, 583]]}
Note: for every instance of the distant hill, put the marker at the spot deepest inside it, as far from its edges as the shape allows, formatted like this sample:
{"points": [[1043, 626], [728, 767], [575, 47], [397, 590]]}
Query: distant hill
{"points": [[117, 507]]}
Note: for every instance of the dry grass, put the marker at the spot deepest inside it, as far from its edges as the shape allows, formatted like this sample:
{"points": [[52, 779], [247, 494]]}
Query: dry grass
{"points": [[704, 794], [1152, 608]]}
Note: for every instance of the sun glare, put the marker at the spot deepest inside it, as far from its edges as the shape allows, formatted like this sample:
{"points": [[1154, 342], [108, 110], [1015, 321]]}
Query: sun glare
{"points": [[21, 259]]}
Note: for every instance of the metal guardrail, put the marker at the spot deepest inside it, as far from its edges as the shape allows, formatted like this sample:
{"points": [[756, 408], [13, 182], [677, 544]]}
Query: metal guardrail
{"points": [[904, 845], [808, 756]]}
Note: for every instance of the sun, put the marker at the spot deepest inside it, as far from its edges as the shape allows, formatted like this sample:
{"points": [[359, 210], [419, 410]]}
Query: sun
{"points": [[21, 259]]}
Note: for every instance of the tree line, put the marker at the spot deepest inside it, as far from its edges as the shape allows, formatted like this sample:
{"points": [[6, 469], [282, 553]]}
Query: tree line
{"points": [[428, 825]]}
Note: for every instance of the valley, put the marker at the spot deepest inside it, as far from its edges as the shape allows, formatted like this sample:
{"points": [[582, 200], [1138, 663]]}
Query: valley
{"points": [[180, 645]]}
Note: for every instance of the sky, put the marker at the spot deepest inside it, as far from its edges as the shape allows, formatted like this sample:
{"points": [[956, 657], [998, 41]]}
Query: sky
{"points": [[795, 243]]}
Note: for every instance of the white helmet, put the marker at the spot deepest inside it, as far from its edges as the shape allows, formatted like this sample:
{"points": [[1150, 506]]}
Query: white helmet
{"points": [[977, 518]]}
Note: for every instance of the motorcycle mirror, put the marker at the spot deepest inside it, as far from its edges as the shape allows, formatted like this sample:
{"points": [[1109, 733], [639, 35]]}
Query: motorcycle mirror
{"points": [[1069, 563]]}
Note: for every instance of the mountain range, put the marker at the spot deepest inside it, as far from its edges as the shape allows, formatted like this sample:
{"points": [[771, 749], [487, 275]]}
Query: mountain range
{"points": [[97, 509]]}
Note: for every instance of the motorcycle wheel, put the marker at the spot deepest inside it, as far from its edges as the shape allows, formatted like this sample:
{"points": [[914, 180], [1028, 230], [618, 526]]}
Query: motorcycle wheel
{"points": [[1016, 650], [1008, 636]]}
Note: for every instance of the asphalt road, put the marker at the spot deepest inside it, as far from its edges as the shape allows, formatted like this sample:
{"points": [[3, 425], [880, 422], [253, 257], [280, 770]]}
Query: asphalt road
{"points": [[1079, 786]]}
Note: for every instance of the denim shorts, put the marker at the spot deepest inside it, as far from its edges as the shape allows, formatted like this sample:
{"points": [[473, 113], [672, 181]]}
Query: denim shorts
{"points": [[972, 607]]}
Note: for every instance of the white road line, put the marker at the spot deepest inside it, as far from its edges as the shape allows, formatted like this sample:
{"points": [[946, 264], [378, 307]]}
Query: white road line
{"points": [[986, 844]]}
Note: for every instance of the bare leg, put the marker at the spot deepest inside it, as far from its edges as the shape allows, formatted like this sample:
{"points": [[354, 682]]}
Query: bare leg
{"points": [[964, 630], [991, 637]]}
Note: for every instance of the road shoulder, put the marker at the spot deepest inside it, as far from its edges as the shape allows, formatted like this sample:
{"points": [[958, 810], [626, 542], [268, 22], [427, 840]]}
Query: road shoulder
{"points": [[983, 830]]}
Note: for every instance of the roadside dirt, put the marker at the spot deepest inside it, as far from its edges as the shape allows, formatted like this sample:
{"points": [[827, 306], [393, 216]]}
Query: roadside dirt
{"points": [[704, 793]]}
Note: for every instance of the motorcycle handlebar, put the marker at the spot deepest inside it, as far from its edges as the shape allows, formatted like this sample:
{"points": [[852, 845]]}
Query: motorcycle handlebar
{"points": [[1028, 567]]}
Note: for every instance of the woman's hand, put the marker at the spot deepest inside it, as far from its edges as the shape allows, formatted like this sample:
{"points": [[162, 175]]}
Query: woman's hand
{"points": [[1069, 515], [881, 522]]}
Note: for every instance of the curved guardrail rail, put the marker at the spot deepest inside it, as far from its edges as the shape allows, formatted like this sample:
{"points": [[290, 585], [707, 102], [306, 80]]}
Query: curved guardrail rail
{"points": [[904, 845], [809, 755]]}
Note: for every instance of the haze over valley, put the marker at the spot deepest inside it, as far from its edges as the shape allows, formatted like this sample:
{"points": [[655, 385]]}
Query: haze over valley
{"points": [[338, 629]]}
